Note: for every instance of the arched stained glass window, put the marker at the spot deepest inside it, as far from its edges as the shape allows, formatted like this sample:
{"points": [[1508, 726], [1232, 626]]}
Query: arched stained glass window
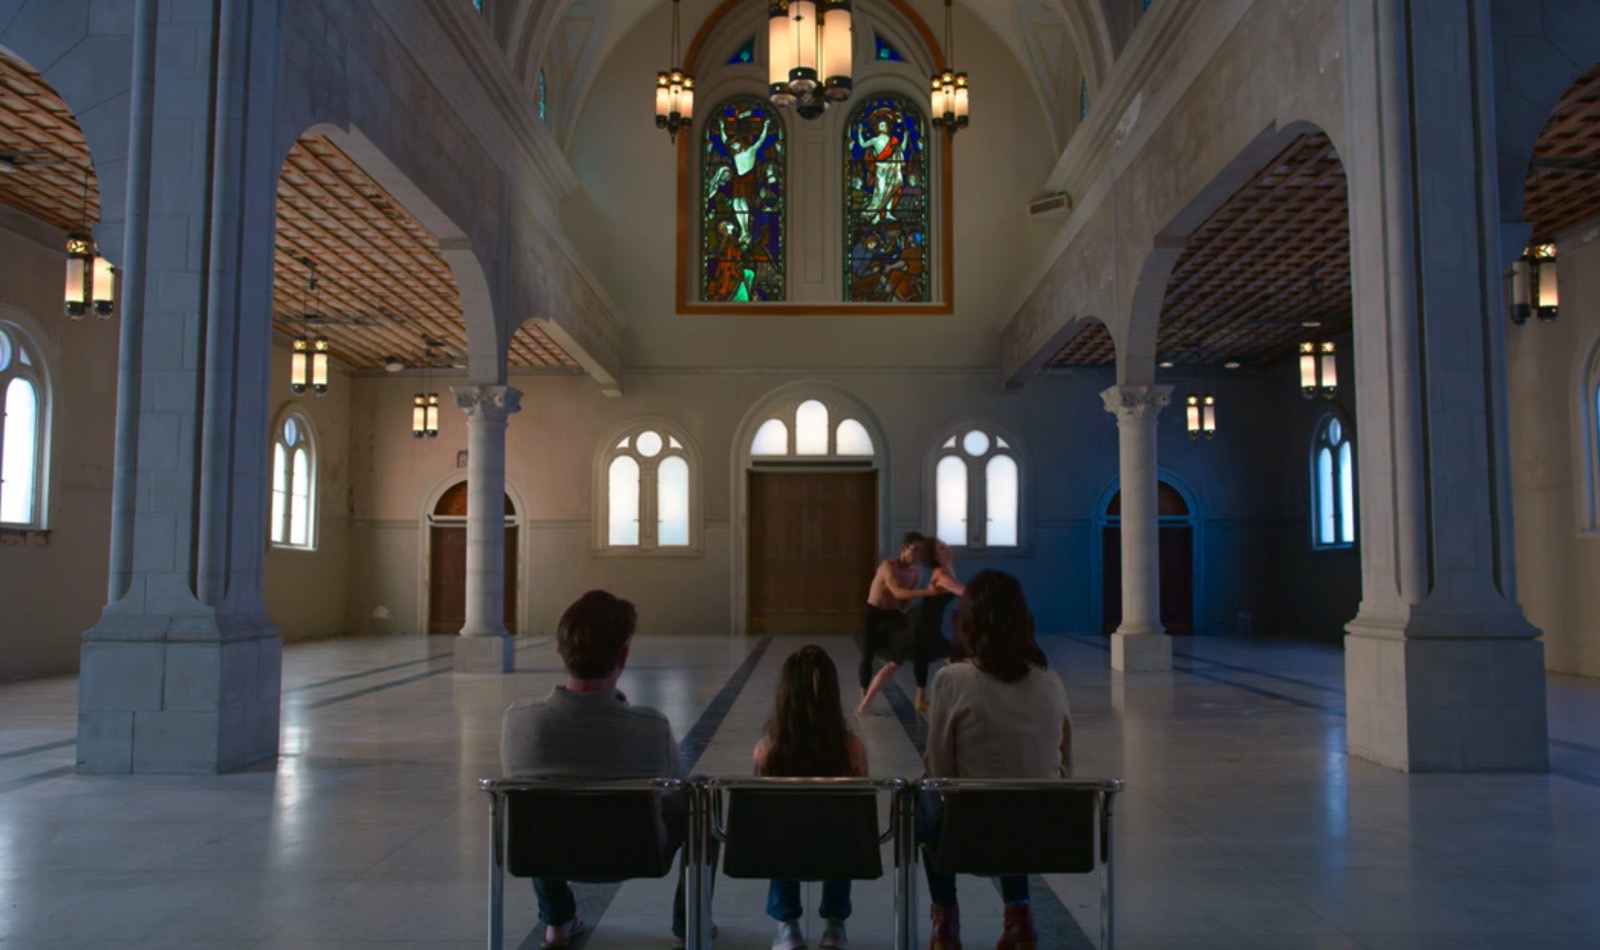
{"points": [[977, 491], [648, 492], [811, 428], [883, 51], [1333, 495], [745, 54], [294, 462], [742, 199], [1083, 97], [886, 178], [544, 114]]}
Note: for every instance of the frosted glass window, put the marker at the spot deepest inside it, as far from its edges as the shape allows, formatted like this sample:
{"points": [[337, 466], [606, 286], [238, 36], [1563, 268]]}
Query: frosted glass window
{"points": [[280, 491], [811, 428], [949, 443], [624, 497], [672, 502], [1325, 513], [291, 432], [673, 443], [950, 493], [623, 444], [19, 452], [975, 442], [1000, 443], [771, 439], [5, 350], [853, 438], [1000, 493], [300, 499], [1347, 496], [649, 444]]}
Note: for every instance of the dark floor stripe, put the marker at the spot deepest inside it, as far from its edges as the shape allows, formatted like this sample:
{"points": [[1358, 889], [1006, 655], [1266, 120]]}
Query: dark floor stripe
{"points": [[595, 900], [375, 670], [1308, 684], [403, 681], [1050, 916], [27, 780], [1313, 705], [1563, 743], [36, 749], [1574, 776]]}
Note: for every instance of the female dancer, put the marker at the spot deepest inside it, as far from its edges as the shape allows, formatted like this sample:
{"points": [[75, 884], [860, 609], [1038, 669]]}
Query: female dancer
{"points": [[927, 621], [885, 631]]}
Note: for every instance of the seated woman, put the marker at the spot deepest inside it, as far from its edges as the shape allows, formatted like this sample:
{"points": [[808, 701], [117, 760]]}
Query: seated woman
{"points": [[996, 711], [807, 738]]}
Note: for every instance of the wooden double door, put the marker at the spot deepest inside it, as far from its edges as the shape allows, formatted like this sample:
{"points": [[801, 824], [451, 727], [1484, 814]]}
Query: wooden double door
{"points": [[447, 564], [813, 548], [1176, 533]]}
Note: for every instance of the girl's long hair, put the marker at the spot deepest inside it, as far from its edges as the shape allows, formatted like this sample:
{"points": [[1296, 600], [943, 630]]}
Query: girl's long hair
{"points": [[994, 628], [807, 729]]}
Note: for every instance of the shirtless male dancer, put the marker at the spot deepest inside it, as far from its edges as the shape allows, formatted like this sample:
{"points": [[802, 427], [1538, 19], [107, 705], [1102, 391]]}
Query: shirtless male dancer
{"points": [[886, 628]]}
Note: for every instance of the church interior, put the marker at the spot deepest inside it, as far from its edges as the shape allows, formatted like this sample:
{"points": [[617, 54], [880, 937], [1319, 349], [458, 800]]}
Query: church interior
{"points": [[1252, 337]]}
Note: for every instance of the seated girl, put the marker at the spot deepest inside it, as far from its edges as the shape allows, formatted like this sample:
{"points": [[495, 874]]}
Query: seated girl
{"points": [[807, 738]]}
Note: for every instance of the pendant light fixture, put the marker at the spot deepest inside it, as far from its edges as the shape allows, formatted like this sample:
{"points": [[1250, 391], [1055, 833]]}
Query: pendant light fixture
{"points": [[308, 362], [425, 404], [674, 91], [91, 279], [1200, 414], [950, 88], [809, 53], [1533, 285], [1319, 375]]}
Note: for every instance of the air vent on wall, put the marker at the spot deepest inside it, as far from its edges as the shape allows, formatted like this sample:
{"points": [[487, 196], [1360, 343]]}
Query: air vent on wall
{"points": [[1050, 206]]}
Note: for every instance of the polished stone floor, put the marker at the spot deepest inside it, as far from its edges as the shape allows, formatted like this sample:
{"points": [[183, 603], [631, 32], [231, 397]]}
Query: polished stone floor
{"points": [[1244, 824]]}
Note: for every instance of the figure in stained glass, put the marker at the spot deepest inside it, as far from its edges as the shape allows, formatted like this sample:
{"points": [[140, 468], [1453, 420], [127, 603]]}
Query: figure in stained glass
{"points": [[742, 226], [886, 204]]}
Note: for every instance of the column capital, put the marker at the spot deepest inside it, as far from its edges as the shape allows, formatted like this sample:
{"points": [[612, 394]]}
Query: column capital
{"points": [[487, 403], [1136, 403]]}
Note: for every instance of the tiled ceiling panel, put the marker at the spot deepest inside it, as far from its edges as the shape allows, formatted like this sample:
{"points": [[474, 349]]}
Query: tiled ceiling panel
{"points": [[44, 162], [1563, 184]]}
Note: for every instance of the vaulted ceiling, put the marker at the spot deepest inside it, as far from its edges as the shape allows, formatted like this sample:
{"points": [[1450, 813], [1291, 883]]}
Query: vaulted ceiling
{"points": [[45, 169], [1563, 184]]}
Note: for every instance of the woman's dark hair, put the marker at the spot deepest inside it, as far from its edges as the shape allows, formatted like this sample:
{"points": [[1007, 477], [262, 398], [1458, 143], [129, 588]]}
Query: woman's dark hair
{"points": [[807, 731], [994, 628]]}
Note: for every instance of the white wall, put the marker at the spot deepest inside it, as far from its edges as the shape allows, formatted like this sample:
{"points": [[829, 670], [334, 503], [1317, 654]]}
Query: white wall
{"points": [[1558, 553]]}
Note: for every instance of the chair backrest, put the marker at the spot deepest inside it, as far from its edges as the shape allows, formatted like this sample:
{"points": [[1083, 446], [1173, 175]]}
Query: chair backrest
{"points": [[806, 834], [589, 836], [1001, 832]]}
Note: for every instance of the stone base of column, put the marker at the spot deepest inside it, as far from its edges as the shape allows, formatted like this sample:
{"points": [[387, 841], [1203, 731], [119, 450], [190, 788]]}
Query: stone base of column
{"points": [[1141, 652], [1445, 705], [189, 707], [493, 654]]}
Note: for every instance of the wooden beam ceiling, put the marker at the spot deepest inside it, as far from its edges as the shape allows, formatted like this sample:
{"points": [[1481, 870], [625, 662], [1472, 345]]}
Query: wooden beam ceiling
{"points": [[1562, 188], [45, 170]]}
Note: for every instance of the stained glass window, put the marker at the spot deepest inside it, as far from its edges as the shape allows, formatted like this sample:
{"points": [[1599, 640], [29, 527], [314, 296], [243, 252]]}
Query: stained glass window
{"points": [[1083, 97], [543, 113], [745, 54], [743, 191], [881, 50], [477, 5], [886, 202]]}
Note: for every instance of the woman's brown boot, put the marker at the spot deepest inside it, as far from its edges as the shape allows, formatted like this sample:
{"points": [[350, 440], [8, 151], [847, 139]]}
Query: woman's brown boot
{"points": [[946, 928], [1019, 933]]}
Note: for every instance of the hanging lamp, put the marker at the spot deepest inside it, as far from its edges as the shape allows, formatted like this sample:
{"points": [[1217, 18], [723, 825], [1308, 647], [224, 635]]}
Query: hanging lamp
{"points": [[1319, 374], [1200, 415], [809, 54], [674, 91], [91, 280], [308, 359], [425, 404], [950, 89], [1534, 290]]}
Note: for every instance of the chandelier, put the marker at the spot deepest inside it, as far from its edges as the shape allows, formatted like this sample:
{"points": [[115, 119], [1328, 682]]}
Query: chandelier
{"points": [[1533, 285], [1319, 375], [950, 88], [425, 404], [1200, 414], [308, 361], [808, 54], [674, 91], [90, 277]]}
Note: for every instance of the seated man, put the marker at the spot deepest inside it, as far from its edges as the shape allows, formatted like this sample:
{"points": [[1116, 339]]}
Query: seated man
{"points": [[585, 729]]}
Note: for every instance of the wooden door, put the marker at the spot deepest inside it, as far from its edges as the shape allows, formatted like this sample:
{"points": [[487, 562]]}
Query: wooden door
{"points": [[1177, 578], [447, 579], [813, 547]]}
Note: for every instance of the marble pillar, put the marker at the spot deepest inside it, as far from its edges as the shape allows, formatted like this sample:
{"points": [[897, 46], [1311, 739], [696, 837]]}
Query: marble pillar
{"points": [[181, 672], [485, 644], [1139, 644], [1442, 670]]}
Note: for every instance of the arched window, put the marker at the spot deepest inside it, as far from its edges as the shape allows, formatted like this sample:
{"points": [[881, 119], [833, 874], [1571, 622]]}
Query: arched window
{"points": [[742, 243], [977, 490], [886, 194], [1333, 492], [649, 493], [294, 474], [23, 425], [813, 435]]}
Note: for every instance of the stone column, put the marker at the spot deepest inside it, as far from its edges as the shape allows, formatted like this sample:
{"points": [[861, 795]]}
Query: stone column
{"points": [[181, 672], [485, 645], [1139, 644], [1442, 671]]}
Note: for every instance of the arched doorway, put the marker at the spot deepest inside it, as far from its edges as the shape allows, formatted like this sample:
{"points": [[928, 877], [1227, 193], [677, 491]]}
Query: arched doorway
{"points": [[447, 562], [1177, 525]]}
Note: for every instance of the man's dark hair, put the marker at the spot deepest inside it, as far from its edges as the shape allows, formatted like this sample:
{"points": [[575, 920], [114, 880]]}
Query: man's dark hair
{"points": [[914, 537], [593, 632]]}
